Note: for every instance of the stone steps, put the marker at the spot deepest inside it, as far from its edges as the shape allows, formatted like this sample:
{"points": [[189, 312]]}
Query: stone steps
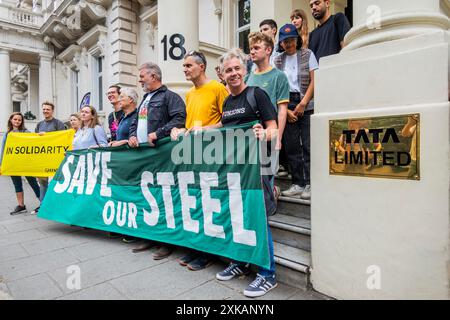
{"points": [[291, 231]]}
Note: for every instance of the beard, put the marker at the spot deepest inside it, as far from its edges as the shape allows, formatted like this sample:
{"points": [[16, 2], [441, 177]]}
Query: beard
{"points": [[319, 15]]}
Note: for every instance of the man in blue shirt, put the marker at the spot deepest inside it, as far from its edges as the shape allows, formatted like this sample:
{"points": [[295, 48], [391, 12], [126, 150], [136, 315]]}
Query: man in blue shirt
{"points": [[128, 101]]}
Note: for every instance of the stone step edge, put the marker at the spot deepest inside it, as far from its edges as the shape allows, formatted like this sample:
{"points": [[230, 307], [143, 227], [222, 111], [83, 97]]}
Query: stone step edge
{"points": [[294, 200], [296, 266], [289, 227], [299, 261]]}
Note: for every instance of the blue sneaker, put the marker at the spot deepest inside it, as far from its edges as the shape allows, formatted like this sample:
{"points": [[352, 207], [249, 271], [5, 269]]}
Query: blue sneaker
{"points": [[233, 270], [260, 286]]}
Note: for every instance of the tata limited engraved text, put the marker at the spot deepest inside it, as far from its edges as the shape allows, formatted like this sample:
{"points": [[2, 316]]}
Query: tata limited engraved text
{"points": [[382, 147]]}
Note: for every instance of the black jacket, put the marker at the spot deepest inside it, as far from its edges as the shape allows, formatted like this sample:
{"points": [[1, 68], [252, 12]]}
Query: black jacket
{"points": [[166, 110]]}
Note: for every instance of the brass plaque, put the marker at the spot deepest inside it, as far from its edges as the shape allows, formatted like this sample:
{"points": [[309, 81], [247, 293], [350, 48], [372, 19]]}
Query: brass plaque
{"points": [[379, 147]]}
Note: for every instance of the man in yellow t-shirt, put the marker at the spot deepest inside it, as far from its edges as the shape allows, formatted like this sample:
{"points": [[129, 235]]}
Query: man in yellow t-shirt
{"points": [[205, 99], [203, 108]]}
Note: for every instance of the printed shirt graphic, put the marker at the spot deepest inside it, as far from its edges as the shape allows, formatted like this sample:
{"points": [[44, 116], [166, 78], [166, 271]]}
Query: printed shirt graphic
{"points": [[142, 126], [237, 111], [114, 120]]}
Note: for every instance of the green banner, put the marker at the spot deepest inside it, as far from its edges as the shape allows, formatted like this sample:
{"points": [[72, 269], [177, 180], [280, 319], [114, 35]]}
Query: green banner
{"points": [[203, 192]]}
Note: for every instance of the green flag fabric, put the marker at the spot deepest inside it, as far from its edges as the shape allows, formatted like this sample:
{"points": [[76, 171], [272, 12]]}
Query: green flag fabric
{"points": [[202, 192]]}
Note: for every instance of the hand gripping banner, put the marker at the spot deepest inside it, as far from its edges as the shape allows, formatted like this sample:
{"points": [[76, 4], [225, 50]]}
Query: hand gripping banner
{"points": [[203, 192], [35, 155]]}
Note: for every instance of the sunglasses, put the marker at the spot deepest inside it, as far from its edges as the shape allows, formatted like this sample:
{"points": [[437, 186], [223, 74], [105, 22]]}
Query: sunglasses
{"points": [[196, 54]]}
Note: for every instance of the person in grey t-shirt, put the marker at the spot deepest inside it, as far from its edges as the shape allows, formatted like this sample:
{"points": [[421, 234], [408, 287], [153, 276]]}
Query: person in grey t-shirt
{"points": [[49, 124]]}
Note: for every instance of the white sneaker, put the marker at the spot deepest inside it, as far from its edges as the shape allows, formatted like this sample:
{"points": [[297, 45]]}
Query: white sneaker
{"points": [[306, 194], [294, 190]]}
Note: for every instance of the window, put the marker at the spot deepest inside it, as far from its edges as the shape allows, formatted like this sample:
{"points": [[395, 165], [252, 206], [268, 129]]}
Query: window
{"points": [[99, 83], [16, 106], [243, 24], [74, 89]]}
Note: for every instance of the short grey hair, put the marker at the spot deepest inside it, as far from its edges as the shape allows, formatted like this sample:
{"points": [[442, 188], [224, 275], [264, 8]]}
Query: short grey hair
{"points": [[152, 68], [233, 53], [130, 93]]}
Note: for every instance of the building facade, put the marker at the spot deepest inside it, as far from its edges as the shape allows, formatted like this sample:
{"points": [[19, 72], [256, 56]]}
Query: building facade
{"points": [[371, 238], [61, 50]]}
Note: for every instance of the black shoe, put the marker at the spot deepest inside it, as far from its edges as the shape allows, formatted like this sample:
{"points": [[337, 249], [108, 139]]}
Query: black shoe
{"points": [[203, 261], [35, 211], [146, 245], [192, 255], [129, 239], [18, 209], [113, 235]]}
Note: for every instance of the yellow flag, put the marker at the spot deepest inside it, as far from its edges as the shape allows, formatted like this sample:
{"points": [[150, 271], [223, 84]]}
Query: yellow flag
{"points": [[34, 155]]}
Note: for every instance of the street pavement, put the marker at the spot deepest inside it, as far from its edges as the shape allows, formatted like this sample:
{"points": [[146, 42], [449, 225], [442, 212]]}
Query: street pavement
{"points": [[39, 258]]}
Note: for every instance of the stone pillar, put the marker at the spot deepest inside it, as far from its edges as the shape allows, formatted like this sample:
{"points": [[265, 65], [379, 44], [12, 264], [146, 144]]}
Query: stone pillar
{"points": [[124, 43], [5, 88], [33, 90], [45, 81], [177, 20], [378, 238]]}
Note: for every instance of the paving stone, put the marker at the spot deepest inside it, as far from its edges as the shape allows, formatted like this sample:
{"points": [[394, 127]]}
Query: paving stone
{"points": [[22, 226], [3, 230], [4, 292], [9, 220], [173, 278], [97, 249], [102, 291], [53, 243], [281, 292], [36, 287], [20, 237], [212, 290], [57, 229], [309, 295], [30, 266], [12, 252], [106, 268]]}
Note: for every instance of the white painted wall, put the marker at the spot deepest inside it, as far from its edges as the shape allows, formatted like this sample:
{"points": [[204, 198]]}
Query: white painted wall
{"points": [[209, 26], [400, 226]]}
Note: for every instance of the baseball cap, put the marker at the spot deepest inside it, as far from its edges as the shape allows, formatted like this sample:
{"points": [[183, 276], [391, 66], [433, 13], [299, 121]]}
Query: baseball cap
{"points": [[288, 31]]}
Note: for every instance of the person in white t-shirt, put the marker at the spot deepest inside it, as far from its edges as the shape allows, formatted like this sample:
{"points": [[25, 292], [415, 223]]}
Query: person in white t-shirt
{"points": [[299, 65]]}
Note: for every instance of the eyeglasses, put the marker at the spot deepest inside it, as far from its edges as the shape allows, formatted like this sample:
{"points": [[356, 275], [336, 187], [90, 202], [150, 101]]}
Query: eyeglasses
{"points": [[196, 54]]}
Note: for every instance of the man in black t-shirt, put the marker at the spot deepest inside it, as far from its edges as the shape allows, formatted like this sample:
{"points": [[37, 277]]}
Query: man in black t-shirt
{"points": [[328, 37], [240, 108], [237, 110]]}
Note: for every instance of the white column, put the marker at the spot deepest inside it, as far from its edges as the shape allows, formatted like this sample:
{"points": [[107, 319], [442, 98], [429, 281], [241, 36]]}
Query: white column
{"points": [[378, 238], [177, 19], [45, 81], [33, 90], [5, 88]]}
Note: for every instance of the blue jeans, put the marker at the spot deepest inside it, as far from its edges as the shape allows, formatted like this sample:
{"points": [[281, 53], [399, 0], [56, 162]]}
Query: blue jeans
{"points": [[262, 271], [267, 184], [18, 186], [43, 182]]}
